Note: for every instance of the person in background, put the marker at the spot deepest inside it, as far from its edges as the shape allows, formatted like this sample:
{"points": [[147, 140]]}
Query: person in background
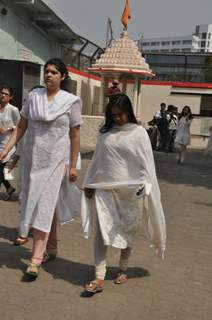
{"points": [[171, 129], [51, 118], [183, 135], [9, 117], [113, 90], [162, 124]]}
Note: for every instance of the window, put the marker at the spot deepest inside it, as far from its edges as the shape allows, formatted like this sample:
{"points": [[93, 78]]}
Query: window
{"points": [[177, 42], [165, 59], [186, 50], [203, 43], [154, 50], [145, 44], [74, 86], [197, 30], [155, 43], [206, 105], [186, 41], [175, 50], [204, 35], [196, 60], [209, 35], [165, 43], [164, 50]]}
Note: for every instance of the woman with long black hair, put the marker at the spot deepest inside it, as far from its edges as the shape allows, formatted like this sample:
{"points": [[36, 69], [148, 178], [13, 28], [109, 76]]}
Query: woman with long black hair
{"points": [[121, 193], [50, 119], [183, 135]]}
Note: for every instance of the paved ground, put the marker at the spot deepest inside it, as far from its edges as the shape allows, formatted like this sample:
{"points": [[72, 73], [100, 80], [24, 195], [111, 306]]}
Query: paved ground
{"points": [[180, 287]]}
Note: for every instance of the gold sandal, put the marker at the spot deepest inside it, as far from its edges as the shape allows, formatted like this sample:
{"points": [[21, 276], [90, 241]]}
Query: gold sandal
{"points": [[95, 286], [32, 270], [121, 278]]}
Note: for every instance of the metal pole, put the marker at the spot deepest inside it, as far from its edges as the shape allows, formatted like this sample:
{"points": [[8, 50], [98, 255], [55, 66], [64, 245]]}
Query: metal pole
{"points": [[135, 95], [102, 96], [138, 111]]}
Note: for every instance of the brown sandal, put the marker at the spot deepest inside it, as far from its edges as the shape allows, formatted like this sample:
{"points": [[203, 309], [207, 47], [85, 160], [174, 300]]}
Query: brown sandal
{"points": [[121, 278], [20, 241], [95, 286]]}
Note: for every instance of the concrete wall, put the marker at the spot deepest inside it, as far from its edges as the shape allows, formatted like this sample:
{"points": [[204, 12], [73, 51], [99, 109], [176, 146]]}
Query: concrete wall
{"points": [[92, 124], [153, 95], [89, 131], [20, 40], [88, 88]]}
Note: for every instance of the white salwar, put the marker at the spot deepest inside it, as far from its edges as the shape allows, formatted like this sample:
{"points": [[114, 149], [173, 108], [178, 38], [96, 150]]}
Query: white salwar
{"points": [[122, 165], [45, 154]]}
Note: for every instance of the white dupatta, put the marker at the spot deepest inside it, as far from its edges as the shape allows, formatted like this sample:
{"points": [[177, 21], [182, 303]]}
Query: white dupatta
{"points": [[124, 159]]}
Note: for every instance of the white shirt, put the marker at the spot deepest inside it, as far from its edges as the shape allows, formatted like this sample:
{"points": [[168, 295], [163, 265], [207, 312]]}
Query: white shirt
{"points": [[8, 119]]}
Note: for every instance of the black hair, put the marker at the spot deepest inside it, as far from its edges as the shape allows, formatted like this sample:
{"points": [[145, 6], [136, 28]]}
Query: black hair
{"points": [[170, 108], [61, 67], [163, 104], [190, 116], [123, 102], [7, 87]]}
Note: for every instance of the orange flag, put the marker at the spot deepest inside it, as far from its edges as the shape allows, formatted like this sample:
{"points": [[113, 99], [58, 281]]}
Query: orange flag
{"points": [[126, 15]]}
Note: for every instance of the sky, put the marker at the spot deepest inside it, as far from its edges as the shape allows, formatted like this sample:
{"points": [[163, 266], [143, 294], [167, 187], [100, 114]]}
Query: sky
{"points": [[152, 18]]}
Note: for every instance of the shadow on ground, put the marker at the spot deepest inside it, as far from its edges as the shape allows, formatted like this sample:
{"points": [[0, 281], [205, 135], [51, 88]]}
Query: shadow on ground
{"points": [[14, 197], [79, 273], [74, 272], [196, 171], [8, 233]]}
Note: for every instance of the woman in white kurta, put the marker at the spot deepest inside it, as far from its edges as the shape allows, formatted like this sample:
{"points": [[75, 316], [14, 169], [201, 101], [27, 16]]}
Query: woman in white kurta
{"points": [[52, 118], [9, 117], [121, 193], [183, 135]]}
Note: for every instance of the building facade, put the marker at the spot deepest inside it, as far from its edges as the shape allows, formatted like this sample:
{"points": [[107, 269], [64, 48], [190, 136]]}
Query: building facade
{"points": [[200, 41], [186, 67], [30, 34]]}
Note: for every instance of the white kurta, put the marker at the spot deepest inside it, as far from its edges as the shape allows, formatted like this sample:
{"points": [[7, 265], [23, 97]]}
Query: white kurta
{"points": [[183, 135], [122, 162], [45, 153], [8, 119]]}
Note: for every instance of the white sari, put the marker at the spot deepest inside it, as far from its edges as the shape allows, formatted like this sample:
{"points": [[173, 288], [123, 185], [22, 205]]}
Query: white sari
{"points": [[45, 154], [122, 164]]}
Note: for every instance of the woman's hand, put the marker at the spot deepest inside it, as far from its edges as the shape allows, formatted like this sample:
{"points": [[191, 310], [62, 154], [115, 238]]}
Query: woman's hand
{"points": [[3, 154], [89, 192], [73, 175]]}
